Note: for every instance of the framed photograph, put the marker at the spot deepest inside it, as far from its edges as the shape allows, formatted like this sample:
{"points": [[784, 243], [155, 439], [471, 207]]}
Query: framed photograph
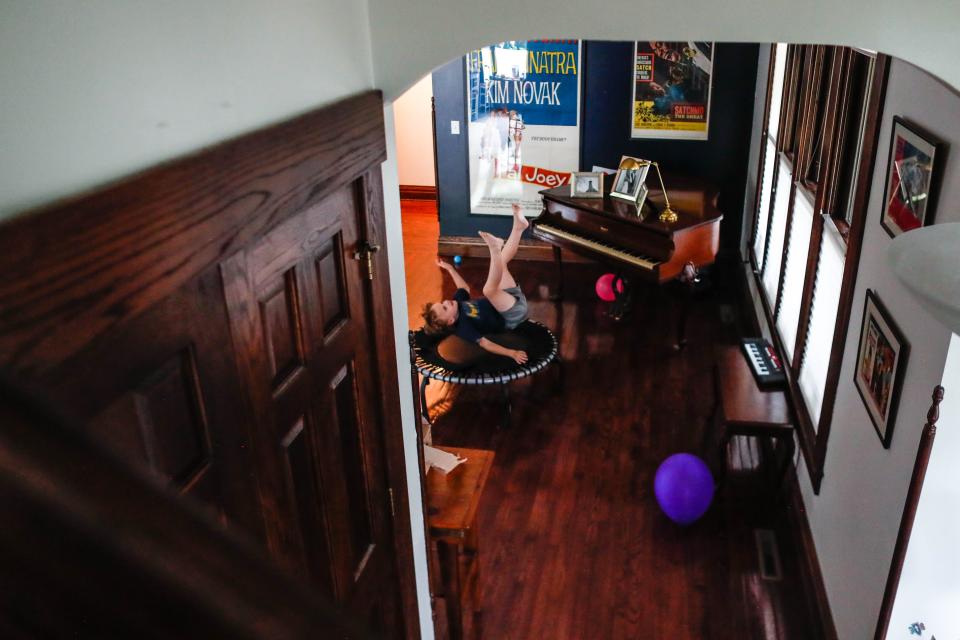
{"points": [[880, 366], [586, 184], [628, 184], [913, 168]]}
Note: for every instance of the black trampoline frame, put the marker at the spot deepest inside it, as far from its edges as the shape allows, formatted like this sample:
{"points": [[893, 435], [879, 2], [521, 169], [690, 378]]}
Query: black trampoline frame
{"points": [[432, 371]]}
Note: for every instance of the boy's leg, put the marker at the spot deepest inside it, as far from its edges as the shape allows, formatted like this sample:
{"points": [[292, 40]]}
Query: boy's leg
{"points": [[513, 241], [492, 291]]}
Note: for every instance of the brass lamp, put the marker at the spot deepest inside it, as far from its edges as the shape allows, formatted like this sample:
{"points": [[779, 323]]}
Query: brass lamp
{"points": [[668, 215]]}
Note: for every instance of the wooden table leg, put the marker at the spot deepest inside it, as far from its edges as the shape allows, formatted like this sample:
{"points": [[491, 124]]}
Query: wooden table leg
{"points": [[787, 459], [450, 575]]}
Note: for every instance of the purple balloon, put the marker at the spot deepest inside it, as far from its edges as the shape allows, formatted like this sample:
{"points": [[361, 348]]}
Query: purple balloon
{"points": [[684, 487]]}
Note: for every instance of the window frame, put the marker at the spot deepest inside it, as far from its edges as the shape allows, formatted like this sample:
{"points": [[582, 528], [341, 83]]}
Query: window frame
{"points": [[810, 69]]}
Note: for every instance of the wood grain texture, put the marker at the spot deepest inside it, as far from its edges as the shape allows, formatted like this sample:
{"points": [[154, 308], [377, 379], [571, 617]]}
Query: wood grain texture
{"points": [[574, 544], [389, 399], [418, 192], [92, 548], [78, 268], [206, 320]]}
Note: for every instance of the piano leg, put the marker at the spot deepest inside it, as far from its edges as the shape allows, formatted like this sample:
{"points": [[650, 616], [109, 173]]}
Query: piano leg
{"points": [[622, 301], [689, 277], [558, 266]]}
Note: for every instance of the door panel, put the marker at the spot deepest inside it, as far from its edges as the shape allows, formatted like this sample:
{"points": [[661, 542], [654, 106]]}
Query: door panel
{"points": [[305, 350], [161, 392]]}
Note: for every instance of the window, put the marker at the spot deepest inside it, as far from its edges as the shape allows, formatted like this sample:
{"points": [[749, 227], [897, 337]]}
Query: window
{"points": [[770, 153], [818, 148]]}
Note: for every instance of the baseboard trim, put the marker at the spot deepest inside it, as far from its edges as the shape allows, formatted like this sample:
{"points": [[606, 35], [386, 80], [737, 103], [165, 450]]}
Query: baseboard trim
{"points": [[417, 192], [471, 247], [811, 576]]}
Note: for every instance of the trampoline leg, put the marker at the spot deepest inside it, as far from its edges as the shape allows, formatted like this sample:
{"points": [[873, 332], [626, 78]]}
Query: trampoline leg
{"points": [[424, 410], [507, 405], [558, 363]]}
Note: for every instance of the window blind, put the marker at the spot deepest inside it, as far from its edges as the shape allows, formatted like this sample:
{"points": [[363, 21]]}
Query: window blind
{"points": [[791, 295], [823, 317], [763, 207], [778, 228], [776, 92]]}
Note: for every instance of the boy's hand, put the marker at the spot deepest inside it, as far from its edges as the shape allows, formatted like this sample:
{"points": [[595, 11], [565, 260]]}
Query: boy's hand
{"points": [[443, 264], [519, 356]]}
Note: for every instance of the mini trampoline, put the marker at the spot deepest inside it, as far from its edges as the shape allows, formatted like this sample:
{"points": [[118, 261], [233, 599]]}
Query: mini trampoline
{"points": [[454, 360]]}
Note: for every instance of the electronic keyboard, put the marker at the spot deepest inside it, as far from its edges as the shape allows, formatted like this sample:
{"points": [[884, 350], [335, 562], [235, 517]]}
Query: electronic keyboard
{"points": [[764, 362]]}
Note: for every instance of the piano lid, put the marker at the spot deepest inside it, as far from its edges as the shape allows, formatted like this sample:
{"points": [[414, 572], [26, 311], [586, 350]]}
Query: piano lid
{"points": [[694, 200]]}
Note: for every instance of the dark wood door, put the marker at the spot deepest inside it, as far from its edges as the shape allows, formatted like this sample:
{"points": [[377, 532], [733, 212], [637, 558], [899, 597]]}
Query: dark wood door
{"points": [[161, 392], [299, 307], [206, 320]]}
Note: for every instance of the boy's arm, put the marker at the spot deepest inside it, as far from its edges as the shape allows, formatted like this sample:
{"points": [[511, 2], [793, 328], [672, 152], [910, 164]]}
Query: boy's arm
{"points": [[519, 356], [457, 278]]}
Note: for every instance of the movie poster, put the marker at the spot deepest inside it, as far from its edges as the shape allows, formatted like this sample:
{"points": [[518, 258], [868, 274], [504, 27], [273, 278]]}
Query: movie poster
{"points": [[523, 128], [671, 90]]}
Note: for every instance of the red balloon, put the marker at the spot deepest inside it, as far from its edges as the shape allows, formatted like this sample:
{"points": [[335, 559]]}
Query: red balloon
{"points": [[605, 287]]}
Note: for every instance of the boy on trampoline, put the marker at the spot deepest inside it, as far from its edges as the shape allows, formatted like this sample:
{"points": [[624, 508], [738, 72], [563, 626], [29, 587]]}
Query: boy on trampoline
{"points": [[502, 307]]}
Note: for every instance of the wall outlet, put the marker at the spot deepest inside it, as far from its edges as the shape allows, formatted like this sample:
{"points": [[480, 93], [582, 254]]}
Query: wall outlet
{"points": [[455, 127]]}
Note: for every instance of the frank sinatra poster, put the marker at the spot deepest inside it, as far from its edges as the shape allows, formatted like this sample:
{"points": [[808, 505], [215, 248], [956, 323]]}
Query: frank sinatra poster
{"points": [[523, 98]]}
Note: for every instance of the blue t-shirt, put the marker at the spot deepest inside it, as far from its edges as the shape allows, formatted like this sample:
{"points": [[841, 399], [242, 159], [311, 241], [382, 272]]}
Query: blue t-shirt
{"points": [[476, 318]]}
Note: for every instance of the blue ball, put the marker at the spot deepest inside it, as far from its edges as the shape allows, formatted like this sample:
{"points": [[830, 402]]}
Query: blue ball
{"points": [[457, 260], [683, 487]]}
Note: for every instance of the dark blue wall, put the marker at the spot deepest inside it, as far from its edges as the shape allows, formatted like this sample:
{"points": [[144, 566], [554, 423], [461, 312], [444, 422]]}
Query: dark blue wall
{"points": [[605, 132]]}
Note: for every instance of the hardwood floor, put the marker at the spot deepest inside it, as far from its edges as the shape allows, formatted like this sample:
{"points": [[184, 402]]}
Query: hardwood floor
{"points": [[573, 544]]}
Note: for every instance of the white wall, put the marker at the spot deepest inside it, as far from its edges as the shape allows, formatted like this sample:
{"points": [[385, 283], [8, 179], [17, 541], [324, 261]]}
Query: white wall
{"points": [[413, 36], [93, 91], [414, 125], [929, 590]]}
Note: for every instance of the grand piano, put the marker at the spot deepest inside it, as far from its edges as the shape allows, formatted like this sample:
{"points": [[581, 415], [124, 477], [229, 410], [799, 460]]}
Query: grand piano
{"points": [[634, 242]]}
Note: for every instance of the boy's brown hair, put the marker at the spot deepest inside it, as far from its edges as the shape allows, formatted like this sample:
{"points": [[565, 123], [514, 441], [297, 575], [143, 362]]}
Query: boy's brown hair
{"points": [[431, 323]]}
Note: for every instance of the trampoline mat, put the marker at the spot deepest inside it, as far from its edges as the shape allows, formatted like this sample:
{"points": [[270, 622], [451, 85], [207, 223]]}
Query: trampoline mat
{"points": [[437, 357]]}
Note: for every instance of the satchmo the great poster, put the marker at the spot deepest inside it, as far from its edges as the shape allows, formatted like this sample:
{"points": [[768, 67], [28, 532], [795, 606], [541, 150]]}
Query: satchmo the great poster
{"points": [[524, 122], [672, 82]]}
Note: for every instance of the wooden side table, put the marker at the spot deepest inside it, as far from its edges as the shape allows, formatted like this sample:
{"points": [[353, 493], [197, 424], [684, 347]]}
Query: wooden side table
{"points": [[744, 409], [452, 501]]}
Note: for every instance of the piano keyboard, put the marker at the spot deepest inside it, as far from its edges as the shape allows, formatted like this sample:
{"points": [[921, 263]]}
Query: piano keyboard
{"points": [[763, 360], [619, 254]]}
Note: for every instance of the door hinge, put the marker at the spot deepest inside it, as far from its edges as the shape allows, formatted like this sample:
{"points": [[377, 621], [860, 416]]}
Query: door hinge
{"points": [[365, 252], [393, 508]]}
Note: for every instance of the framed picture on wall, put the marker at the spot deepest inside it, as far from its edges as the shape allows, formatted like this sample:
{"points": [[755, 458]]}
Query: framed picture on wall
{"points": [[913, 168], [672, 84], [880, 366]]}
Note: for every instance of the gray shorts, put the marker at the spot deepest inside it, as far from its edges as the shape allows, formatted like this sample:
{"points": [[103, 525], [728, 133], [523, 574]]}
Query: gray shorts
{"points": [[516, 314]]}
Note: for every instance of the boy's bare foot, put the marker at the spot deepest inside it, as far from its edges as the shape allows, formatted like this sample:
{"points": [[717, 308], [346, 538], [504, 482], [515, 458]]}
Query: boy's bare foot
{"points": [[492, 241], [519, 220]]}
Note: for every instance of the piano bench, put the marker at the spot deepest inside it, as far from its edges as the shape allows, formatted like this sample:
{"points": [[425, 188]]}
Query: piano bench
{"points": [[744, 409], [540, 345]]}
